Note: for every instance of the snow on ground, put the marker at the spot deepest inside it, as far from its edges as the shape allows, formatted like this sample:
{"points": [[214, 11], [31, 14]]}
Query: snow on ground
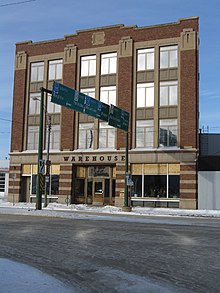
{"points": [[53, 208], [33, 280]]}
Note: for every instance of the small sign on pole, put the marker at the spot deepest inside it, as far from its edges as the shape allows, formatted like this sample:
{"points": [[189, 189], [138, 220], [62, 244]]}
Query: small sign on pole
{"points": [[41, 166]]}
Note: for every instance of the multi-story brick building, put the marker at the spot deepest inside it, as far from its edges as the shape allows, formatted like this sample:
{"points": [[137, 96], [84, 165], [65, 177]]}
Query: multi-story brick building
{"points": [[152, 73]]}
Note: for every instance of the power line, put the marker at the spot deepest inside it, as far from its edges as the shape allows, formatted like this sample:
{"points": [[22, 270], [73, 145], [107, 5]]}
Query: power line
{"points": [[15, 3]]}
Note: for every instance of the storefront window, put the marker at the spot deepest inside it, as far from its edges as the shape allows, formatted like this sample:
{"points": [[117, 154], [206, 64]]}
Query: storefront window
{"points": [[54, 184], [174, 185], [155, 185], [137, 179]]}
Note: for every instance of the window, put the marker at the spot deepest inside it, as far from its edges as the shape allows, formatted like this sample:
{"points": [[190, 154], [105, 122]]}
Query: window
{"points": [[108, 63], [2, 182], [85, 135], [108, 95], [168, 132], [52, 107], [54, 137], [32, 141], [55, 69], [145, 95], [53, 187], [144, 133], [106, 135], [34, 104], [159, 186], [168, 57], [88, 65], [37, 71], [168, 93], [89, 92], [145, 59]]}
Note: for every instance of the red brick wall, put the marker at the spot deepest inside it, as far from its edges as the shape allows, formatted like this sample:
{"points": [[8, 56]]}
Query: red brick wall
{"points": [[189, 99], [68, 115], [18, 113]]}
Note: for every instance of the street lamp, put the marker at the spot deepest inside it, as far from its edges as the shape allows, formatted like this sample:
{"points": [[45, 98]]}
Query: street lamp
{"points": [[40, 175]]}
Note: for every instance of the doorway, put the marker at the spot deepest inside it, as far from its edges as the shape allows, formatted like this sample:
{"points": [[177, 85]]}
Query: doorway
{"points": [[98, 191]]}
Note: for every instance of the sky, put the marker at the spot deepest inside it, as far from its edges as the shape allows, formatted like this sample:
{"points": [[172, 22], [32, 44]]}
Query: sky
{"points": [[40, 20]]}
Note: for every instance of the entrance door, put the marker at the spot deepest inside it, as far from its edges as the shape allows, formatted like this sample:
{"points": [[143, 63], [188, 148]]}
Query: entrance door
{"points": [[98, 191], [25, 189]]}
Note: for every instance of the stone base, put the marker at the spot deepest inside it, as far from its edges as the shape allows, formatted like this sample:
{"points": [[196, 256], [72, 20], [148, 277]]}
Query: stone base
{"points": [[119, 202], [188, 204]]}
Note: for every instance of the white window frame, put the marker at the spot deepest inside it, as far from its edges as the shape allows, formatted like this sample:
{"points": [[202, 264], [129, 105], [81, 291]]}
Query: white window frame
{"points": [[86, 130], [145, 59], [108, 95], [144, 90], [108, 63], [88, 65], [54, 137], [34, 131], [170, 125], [52, 107], [89, 92], [37, 71], [166, 57], [146, 130], [34, 104], [55, 71], [106, 131], [169, 99]]}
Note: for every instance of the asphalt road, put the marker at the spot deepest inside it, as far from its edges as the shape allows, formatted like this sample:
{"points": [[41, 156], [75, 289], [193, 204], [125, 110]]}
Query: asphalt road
{"points": [[157, 255]]}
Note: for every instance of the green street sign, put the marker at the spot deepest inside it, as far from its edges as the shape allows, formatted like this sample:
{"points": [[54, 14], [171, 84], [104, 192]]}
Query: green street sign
{"points": [[118, 118], [68, 97], [96, 108]]}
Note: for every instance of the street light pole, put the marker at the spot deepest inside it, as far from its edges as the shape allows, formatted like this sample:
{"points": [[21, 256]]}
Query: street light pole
{"points": [[40, 154]]}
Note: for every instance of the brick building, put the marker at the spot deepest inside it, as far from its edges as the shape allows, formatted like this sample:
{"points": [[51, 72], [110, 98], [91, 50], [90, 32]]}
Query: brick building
{"points": [[152, 73]]}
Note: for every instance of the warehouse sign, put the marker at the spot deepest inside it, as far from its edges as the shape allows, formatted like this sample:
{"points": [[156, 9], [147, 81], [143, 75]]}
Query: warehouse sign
{"points": [[82, 103]]}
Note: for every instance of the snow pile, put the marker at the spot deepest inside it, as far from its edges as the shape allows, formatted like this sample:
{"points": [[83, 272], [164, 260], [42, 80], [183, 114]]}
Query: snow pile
{"points": [[111, 210]]}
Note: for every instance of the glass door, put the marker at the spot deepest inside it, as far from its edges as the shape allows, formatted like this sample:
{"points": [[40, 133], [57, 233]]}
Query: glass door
{"points": [[98, 191]]}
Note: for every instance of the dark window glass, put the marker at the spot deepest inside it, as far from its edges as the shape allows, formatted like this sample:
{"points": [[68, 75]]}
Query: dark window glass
{"points": [[106, 194], [137, 179], [54, 184], [174, 186], [79, 187], [155, 185], [113, 187], [34, 184]]}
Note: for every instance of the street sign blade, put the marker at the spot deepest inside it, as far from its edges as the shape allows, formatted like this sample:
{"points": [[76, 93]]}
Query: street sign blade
{"points": [[96, 108], [118, 118], [67, 97]]}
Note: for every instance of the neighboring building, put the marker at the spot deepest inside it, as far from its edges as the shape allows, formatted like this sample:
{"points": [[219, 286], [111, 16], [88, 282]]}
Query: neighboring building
{"points": [[209, 172], [4, 177], [151, 72]]}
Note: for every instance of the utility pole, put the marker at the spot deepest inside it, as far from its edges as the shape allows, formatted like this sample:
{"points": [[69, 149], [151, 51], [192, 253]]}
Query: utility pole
{"points": [[48, 164]]}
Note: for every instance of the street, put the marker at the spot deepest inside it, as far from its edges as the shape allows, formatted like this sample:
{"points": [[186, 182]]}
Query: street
{"points": [[155, 255]]}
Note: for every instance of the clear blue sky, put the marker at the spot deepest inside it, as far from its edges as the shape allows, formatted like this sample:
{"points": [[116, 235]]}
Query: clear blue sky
{"points": [[46, 19]]}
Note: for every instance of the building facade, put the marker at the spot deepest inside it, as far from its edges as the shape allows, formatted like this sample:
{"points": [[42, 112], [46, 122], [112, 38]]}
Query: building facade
{"points": [[152, 73]]}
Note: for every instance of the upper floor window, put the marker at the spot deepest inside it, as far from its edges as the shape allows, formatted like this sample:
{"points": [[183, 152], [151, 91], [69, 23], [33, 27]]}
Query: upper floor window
{"points": [[37, 71], [168, 56], [52, 107], [89, 92], [145, 59], [168, 93], [88, 65], [144, 133], [32, 139], [108, 63], [145, 95], [55, 69], [54, 137], [108, 95], [168, 132], [34, 104], [106, 135], [85, 135]]}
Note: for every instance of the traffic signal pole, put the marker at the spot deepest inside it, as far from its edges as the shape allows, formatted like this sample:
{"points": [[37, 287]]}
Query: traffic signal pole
{"points": [[126, 207]]}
